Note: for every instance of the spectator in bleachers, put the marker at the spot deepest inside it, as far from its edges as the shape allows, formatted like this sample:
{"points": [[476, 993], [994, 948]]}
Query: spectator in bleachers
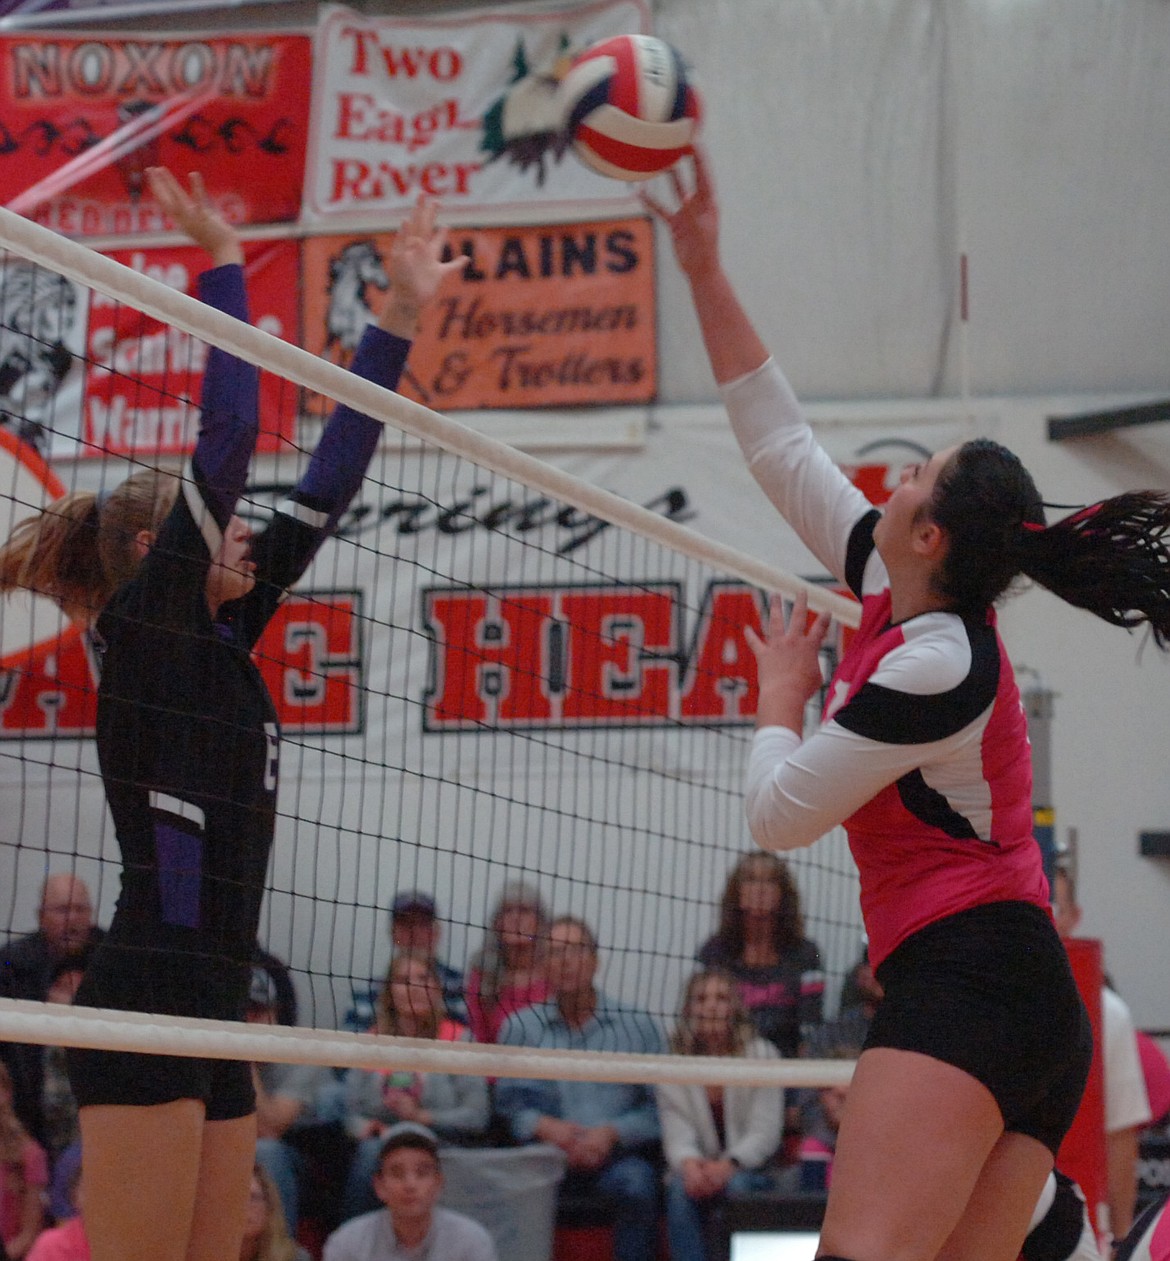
{"points": [[67, 1240], [414, 927], [410, 1227], [65, 933], [860, 995], [24, 1174], [65, 929], [608, 1131], [822, 1121], [454, 1106], [266, 1236], [509, 972], [1156, 1071], [62, 1133], [286, 1096], [717, 1140], [761, 942], [1127, 1106], [286, 994]]}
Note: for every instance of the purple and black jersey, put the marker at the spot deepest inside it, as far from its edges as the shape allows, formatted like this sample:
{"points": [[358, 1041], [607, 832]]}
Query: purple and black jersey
{"points": [[187, 733]]}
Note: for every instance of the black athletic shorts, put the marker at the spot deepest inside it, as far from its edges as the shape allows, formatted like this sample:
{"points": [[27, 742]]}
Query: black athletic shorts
{"points": [[128, 1078], [990, 991], [143, 980]]}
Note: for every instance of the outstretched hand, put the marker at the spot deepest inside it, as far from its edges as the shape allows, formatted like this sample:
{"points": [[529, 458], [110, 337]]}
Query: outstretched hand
{"points": [[194, 214], [694, 225], [788, 663], [416, 268]]}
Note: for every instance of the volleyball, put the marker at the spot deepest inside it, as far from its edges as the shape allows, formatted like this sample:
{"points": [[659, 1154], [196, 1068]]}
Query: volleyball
{"points": [[630, 107]]}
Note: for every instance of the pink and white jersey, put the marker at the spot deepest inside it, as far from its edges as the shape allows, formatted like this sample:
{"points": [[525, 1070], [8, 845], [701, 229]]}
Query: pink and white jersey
{"points": [[923, 752]]}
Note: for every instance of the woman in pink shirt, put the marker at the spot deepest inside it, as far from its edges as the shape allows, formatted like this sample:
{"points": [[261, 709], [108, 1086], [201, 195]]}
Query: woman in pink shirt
{"points": [[24, 1175], [508, 974]]}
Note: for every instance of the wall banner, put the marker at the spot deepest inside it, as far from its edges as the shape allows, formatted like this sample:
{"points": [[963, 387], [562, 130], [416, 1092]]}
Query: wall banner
{"points": [[463, 108], [542, 317], [82, 376], [81, 117]]}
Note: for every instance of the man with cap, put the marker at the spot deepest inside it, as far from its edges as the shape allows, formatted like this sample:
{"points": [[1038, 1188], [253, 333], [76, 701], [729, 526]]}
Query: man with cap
{"points": [[414, 927], [410, 1226]]}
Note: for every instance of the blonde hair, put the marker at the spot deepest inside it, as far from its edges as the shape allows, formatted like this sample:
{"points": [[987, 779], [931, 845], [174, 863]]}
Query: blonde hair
{"points": [[83, 547], [388, 1019], [743, 1032], [274, 1243]]}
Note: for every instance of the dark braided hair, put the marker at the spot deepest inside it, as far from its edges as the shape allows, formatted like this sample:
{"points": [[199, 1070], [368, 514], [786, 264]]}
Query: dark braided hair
{"points": [[1111, 558]]}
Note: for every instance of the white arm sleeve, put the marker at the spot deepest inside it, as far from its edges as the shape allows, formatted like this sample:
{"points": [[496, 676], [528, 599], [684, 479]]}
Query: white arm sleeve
{"points": [[1126, 1103], [796, 792], [811, 492]]}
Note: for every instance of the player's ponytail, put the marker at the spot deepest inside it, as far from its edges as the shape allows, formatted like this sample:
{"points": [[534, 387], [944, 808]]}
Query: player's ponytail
{"points": [[55, 554], [1112, 558], [81, 548]]}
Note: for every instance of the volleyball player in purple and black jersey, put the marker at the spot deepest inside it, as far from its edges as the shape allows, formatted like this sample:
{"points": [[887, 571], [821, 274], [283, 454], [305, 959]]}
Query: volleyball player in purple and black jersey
{"points": [[975, 1061], [188, 746]]}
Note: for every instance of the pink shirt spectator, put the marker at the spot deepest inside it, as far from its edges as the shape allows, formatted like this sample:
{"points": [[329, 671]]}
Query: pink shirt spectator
{"points": [[36, 1174], [1156, 1071], [486, 1022], [63, 1243]]}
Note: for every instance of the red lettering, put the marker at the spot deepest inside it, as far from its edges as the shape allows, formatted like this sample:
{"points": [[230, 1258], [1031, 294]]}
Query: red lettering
{"points": [[350, 177], [721, 672], [617, 643], [354, 180], [360, 63], [310, 658], [490, 655], [48, 689], [407, 60]]}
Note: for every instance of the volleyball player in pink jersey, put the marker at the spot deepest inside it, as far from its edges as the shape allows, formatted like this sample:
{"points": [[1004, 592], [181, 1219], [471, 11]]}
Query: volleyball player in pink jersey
{"points": [[976, 1059]]}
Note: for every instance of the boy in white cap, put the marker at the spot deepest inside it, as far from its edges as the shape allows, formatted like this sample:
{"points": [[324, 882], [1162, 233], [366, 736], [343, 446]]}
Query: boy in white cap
{"points": [[410, 1227]]}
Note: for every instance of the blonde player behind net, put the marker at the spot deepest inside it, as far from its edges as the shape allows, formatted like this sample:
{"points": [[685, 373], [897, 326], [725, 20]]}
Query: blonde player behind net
{"points": [[175, 591], [976, 1059]]}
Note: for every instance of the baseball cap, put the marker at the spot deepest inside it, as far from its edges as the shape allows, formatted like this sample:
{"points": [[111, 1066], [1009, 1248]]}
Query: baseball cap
{"points": [[410, 1134], [413, 903]]}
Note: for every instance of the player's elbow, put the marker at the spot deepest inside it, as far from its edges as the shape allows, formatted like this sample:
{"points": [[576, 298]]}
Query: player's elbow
{"points": [[776, 829]]}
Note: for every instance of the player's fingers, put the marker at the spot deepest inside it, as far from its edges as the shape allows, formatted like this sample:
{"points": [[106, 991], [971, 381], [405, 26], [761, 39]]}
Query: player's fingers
{"points": [[199, 189], [457, 262], [428, 212], [703, 184], [655, 207], [776, 624], [676, 183], [819, 629], [799, 618]]}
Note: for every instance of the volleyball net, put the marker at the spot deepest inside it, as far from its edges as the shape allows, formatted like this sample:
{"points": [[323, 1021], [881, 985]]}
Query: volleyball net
{"points": [[495, 672]]}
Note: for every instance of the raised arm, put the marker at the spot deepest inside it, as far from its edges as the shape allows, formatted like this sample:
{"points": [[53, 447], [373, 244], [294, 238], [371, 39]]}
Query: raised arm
{"points": [[811, 493], [229, 422], [303, 521], [416, 270], [733, 345]]}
